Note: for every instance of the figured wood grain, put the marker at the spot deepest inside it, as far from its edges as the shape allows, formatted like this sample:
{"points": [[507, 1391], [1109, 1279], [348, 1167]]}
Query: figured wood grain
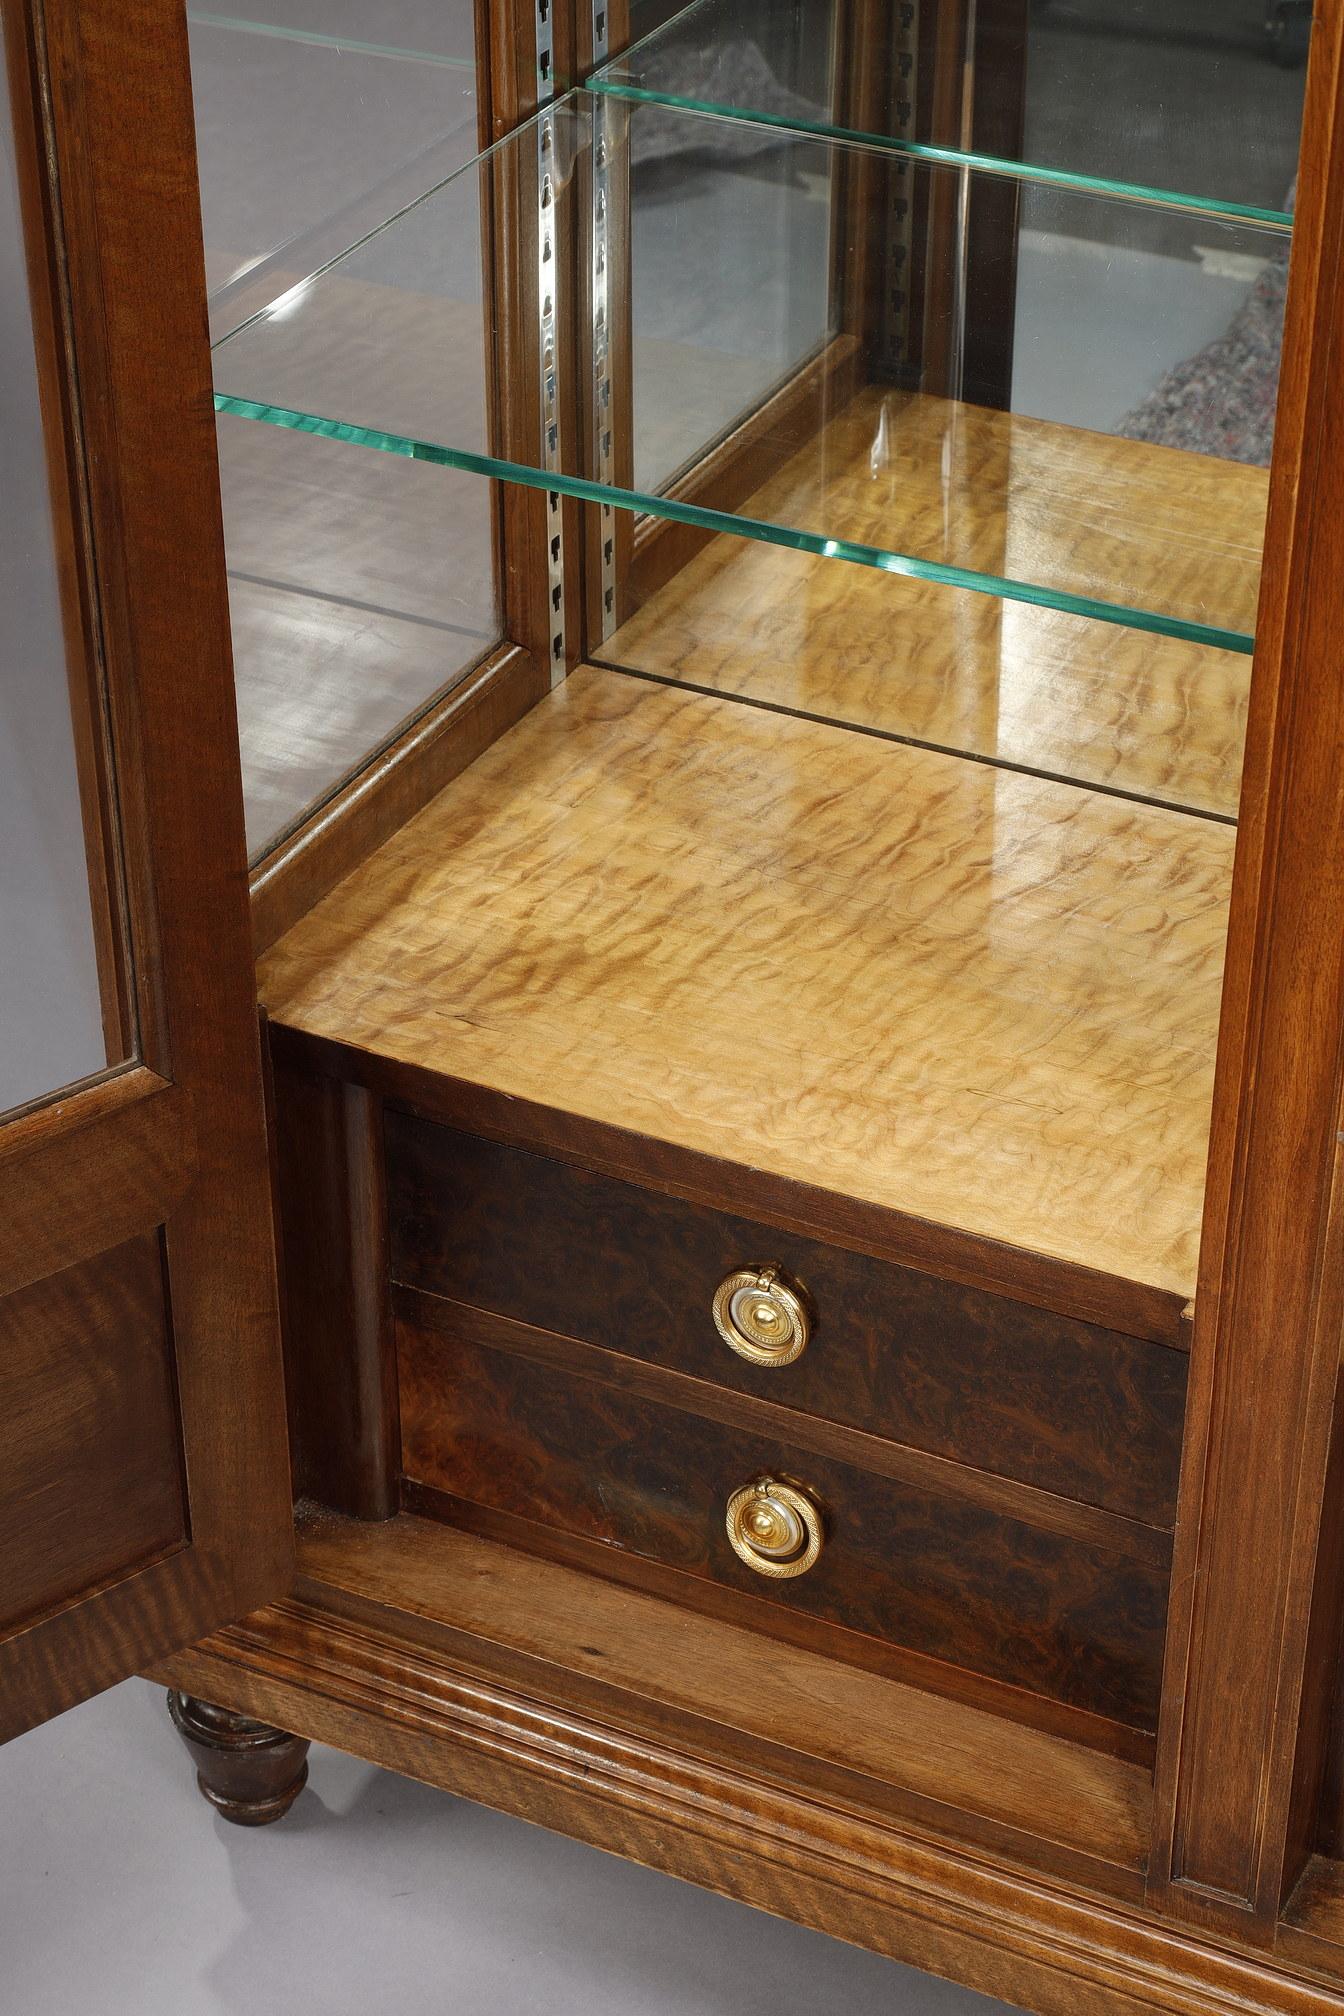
{"points": [[797, 1208], [931, 1572], [390, 789], [1064, 1405], [91, 1480], [967, 996], [806, 1432], [1053, 692]]}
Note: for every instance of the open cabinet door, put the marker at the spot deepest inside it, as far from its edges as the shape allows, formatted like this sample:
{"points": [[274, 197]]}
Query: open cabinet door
{"points": [[144, 1494]]}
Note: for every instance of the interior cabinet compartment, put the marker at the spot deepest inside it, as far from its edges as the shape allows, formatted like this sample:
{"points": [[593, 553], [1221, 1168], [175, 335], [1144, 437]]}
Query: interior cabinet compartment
{"points": [[779, 534], [862, 898]]}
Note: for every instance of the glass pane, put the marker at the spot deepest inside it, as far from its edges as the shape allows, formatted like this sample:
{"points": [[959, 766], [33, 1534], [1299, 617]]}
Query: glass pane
{"points": [[1041, 472], [358, 589], [1202, 102], [50, 1002], [705, 354], [313, 125], [355, 598]]}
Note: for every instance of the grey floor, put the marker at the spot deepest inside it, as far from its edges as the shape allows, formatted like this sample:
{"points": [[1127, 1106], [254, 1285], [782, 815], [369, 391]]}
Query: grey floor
{"points": [[121, 1894]]}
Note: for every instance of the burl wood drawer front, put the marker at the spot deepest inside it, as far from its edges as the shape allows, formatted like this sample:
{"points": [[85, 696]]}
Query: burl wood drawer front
{"points": [[1076, 1409], [580, 1458]]}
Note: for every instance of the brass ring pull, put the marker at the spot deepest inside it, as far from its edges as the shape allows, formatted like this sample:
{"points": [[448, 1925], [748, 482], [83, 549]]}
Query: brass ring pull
{"points": [[775, 1528], [762, 1316]]}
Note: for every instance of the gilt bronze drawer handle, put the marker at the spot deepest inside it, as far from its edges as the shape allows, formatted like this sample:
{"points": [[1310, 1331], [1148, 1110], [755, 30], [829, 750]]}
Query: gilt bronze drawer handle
{"points": [[775, 1528], [762, 1316]]}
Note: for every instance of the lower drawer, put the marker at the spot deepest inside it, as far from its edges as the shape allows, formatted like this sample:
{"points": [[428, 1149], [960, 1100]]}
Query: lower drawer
{"points": [[592, 1466]]}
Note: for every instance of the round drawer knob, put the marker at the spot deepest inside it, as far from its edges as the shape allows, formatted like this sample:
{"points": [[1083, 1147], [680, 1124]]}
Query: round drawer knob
{"points": [[775, 1528], [762, 1316]]}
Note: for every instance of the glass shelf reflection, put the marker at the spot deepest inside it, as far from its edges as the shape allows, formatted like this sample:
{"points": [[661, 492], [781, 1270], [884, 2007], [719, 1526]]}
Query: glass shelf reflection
{"points": [[1106, 96], [1097, 477]]}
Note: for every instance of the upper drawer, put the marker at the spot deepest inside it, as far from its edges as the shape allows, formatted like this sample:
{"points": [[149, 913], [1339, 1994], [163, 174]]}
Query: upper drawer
{"points": [[1085, 1412]]}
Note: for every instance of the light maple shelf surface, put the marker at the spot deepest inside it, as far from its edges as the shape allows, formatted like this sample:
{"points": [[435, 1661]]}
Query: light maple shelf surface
{"points": [[972, 996], [1155, 716]]}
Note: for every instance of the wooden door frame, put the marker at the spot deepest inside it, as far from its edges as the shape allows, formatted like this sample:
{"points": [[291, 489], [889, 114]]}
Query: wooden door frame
{"points": [[174, 1143], [1256, 1585]]}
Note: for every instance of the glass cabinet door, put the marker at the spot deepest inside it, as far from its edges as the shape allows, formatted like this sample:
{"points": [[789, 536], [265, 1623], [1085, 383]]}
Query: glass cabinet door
{"points": [[61, 983], [144, 1488]]}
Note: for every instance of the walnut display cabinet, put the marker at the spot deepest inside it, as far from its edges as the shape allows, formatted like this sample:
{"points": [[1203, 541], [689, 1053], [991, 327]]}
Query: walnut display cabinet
{"points": [[702, 725]]}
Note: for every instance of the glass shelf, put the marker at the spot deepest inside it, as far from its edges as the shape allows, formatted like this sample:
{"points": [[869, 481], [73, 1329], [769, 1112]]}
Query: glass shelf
{"points": [[1182, 107], [730, 272]]}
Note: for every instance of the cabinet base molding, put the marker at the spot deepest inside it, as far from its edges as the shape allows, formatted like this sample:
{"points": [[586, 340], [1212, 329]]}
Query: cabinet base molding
{"points": [[654, 1797], [250, 1772]]}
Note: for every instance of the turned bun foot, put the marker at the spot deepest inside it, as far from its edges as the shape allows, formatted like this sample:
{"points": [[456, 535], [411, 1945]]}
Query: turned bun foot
{"points": [[249, 1772]]}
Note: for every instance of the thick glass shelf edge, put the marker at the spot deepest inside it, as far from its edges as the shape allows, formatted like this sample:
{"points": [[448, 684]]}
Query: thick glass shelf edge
{"points": [[703, 518], [609, 84]]}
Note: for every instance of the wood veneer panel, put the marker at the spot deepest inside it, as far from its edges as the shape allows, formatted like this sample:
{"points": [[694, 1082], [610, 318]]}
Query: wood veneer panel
{"points": [[968, 996], [80, 1176], [91, 1480], [1149, 715], [934, 1574], [988, 1382]]}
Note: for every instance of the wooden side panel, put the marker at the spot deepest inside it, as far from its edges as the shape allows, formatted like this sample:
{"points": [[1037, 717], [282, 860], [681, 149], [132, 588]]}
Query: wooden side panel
{"points": [[90, 1467], [1066, 1405], [941, 1577], [1257, 1578]]}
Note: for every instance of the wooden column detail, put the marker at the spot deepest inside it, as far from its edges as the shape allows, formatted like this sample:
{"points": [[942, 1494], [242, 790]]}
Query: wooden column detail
{"points": [[339, 1356], [1256, 1573]]}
